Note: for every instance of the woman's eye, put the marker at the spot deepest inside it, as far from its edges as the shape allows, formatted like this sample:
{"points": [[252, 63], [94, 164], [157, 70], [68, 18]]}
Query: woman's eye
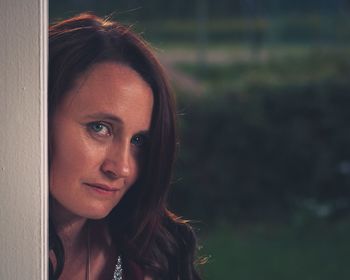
{"points": [[138, 140], [99, 128]]}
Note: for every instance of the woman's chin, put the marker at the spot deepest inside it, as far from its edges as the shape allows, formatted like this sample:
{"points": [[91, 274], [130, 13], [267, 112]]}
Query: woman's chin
{"points": [[97, 214]]}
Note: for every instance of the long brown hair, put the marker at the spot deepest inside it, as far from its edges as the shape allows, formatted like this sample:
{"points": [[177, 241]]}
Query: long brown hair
{"points": [[145, 231]]}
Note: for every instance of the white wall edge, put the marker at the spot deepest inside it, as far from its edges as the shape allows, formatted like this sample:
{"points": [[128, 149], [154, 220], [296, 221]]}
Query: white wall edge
{"points": [[23, 140], [43, 17]]}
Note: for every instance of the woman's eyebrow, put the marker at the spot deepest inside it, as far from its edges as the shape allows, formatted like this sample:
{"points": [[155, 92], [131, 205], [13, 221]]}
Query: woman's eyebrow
{"points": [[105, 116], [144, 132]]}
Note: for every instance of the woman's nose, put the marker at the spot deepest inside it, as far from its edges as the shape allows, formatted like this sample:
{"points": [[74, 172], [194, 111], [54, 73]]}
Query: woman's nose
{"points": [[116, 163]]}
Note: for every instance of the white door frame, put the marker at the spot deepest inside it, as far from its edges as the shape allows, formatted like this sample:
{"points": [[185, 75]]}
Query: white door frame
{"points": [[23, 139]]}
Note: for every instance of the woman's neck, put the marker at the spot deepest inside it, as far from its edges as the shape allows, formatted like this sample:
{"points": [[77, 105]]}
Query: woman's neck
{"points": [[83, 239], [71, 229]]}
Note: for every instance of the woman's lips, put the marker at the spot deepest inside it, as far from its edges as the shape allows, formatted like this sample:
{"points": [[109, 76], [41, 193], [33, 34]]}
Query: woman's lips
{"points": [[102, 188]]}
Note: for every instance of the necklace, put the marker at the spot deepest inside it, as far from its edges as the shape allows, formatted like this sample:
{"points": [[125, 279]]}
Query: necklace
{"points": [[118, 270]]}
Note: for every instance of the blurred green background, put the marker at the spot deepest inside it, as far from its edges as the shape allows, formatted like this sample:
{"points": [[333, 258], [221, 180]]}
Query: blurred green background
{"points": [[263, 92]]}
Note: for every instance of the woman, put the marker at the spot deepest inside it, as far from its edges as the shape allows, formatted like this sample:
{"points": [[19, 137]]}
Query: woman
{"points": [[112, 144]]}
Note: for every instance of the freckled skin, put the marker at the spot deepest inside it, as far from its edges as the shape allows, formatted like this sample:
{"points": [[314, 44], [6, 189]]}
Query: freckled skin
{"points": [[82, 155]]}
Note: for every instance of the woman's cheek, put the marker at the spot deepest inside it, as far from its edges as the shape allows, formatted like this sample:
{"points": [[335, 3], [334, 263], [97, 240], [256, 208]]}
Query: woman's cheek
{"points": [[135, 168]]}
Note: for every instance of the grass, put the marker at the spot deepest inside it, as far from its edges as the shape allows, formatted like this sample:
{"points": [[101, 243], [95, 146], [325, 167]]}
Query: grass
{"points": [[282, 252]]}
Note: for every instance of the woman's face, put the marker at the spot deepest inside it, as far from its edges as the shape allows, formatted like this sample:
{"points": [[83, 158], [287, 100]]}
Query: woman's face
{"points": [[98, 136]]}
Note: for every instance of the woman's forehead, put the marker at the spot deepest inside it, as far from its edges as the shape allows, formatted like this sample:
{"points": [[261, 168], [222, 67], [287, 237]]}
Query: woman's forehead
{"points": [[110, 88], [108, 82]]}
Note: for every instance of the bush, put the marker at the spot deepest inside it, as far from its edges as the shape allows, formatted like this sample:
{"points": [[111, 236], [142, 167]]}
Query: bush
{"points": [[263, 153]]}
